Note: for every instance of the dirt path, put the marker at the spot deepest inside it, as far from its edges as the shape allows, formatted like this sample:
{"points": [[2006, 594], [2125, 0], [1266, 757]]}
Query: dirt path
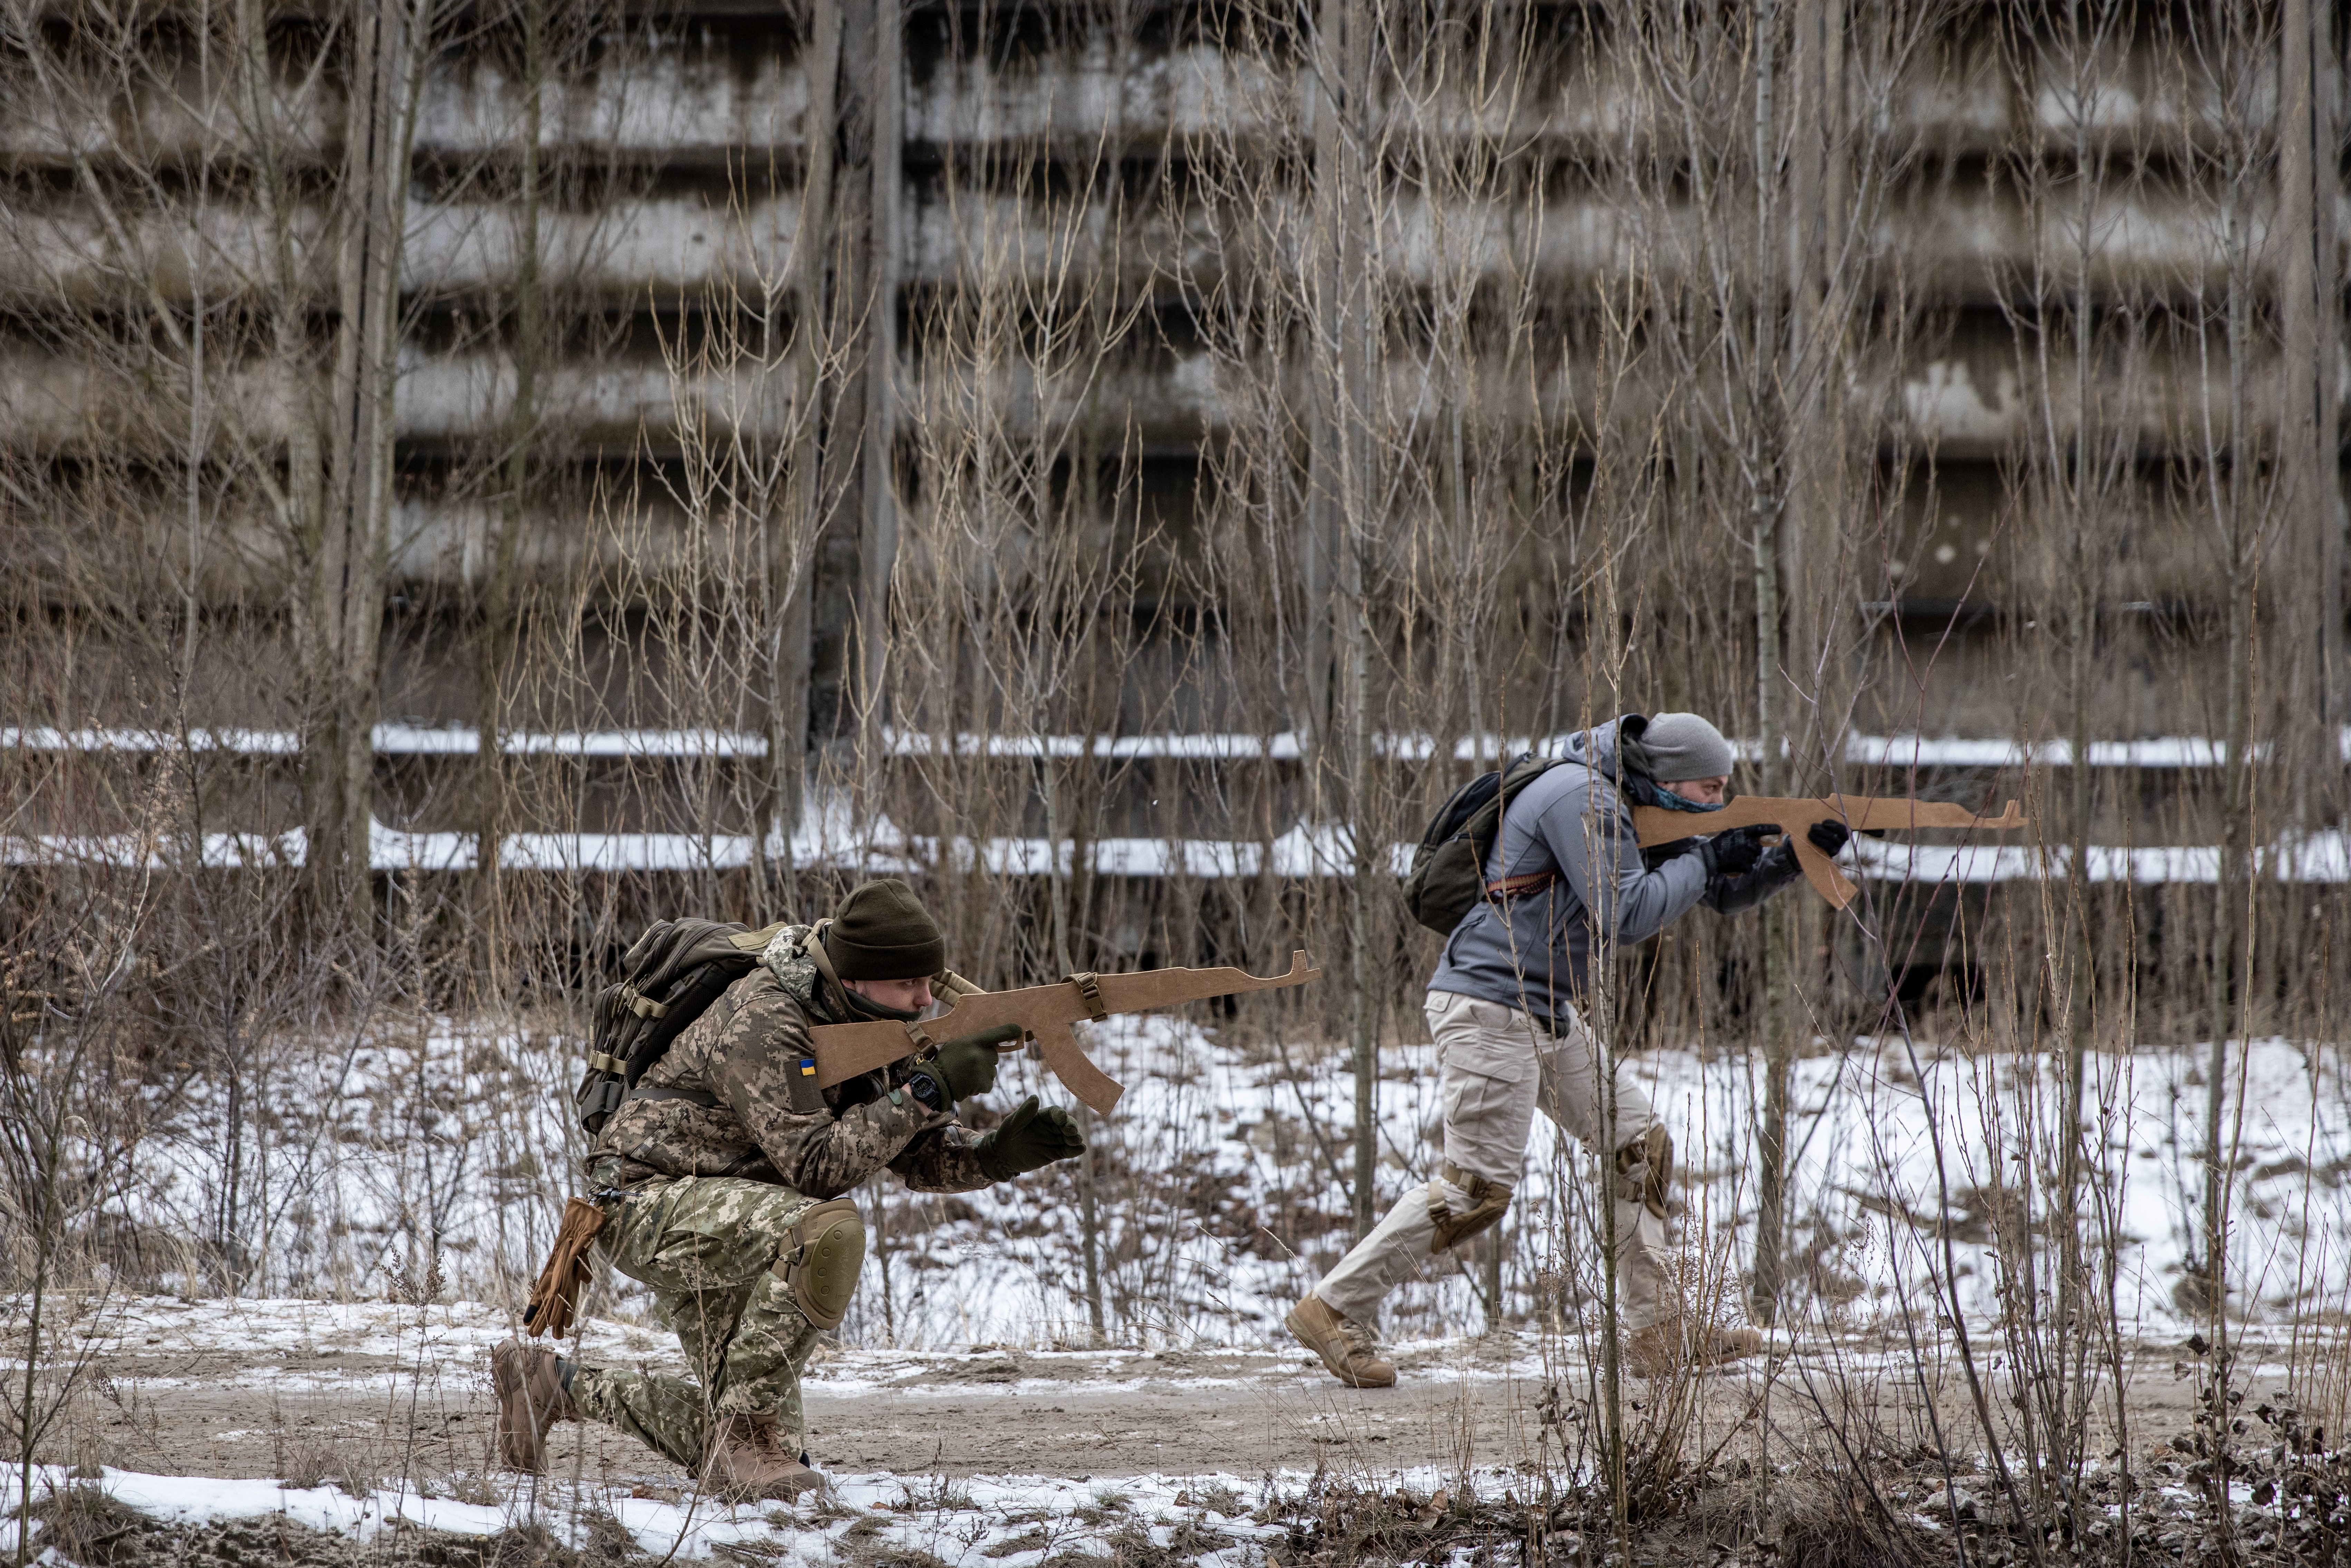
{"points": [[1175, 1413], [1076, 1414], [363, 1392]]}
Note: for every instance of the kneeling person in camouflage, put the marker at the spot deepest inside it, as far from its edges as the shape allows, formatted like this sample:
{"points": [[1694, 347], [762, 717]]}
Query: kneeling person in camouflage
{"points": [[721, 1179]]}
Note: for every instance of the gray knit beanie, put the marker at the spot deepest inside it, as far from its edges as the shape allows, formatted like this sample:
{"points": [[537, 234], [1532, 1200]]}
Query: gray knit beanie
{"points": [[1682, 745]]}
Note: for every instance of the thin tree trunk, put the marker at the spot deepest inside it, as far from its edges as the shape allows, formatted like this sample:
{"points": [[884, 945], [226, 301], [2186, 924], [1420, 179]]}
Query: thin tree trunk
{"points": [[878, 536], [2309, 316], [2230, 938], [813, 245], [2227, 933], [494, 622], [2082, 634], [1089, 1217], [317, 552], [1357, 531], [1766, 512], [841, 481], [1326, 473], [1072, 897], [2325, 507]]}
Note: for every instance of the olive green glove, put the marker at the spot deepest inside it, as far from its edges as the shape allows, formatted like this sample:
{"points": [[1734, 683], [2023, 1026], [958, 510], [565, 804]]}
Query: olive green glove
{"points": [[965, 1066], [1028, 1139]]}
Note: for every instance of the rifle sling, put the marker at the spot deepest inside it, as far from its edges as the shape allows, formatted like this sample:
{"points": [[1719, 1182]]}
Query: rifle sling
{"points": [[1089, 986], [836, 995]]}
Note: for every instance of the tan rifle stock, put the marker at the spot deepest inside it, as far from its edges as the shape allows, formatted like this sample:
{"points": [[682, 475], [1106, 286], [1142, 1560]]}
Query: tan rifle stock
{"points": [[1898, 814], [1044, 1014]]}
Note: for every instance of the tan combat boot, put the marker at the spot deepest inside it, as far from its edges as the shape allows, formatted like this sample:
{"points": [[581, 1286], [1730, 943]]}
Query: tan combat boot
{"points": [[1349, 1349], [1664, 1348], [531, 1398], [743, 1461]]}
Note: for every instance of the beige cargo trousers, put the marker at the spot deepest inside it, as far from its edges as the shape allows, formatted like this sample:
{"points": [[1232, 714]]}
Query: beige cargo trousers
{"points": [[1498, 1067]]}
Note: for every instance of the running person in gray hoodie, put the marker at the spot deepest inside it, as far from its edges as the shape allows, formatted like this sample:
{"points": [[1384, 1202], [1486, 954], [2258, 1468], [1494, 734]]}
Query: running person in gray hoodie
{"points": [[1566, 876]]}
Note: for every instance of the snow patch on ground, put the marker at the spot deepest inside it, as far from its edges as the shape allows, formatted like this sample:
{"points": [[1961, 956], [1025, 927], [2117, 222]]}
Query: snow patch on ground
{"points": [[1020, 1521], [299, 1326], [1219, 1185]]}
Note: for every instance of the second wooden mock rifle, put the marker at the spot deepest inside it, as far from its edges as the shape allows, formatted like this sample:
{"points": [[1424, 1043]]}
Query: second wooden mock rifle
{"points": [[1044, 1014], [1863, 814]]}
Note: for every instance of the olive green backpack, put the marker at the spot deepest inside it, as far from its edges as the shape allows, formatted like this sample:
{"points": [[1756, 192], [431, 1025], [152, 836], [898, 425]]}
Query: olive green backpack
{"points": [[668, 977], [1447, 879]]}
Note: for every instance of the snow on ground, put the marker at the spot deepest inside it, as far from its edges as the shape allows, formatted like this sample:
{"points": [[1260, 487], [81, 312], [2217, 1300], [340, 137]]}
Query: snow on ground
{"points": [[1219, 1194], [260, 1330], [1015, 1520], [1895, 1146], [454, 1338], [1899, 1145], [356, 1162]]}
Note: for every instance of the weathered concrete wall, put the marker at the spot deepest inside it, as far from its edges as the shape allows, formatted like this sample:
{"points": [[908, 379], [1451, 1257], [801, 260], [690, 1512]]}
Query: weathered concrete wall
{"points": [[686, 164]]}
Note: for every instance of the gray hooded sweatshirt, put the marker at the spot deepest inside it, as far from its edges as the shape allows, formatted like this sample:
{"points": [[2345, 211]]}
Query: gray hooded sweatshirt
{"points": [[1532, 952]]}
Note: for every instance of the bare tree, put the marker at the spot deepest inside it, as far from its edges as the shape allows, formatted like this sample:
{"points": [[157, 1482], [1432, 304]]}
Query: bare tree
{"points": [[301, 420], [1776, 144], [2078, 347]]}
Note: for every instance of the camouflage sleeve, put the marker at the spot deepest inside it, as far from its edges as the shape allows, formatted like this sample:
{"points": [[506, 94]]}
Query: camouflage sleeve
{"points": [[815, 1149], [942, 1160]]}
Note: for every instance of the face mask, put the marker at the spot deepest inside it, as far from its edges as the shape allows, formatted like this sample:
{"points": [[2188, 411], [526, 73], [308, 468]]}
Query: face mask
{"points": [[1650, 793], [866, 1008]]}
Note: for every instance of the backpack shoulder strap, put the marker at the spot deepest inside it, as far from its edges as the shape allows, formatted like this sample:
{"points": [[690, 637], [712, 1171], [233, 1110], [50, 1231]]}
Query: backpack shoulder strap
{"points": [[1521, 773], [756, 942], [836, 998]]}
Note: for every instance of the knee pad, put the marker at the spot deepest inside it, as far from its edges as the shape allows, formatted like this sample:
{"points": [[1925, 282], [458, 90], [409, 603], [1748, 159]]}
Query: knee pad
{"points": [[822, 1265], [1644, 1170], [1487, 1199]]}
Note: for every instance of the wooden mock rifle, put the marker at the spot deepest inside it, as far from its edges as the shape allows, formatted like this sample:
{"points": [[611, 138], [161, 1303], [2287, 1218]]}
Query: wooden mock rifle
{"points": [[1044, 1014], [1658, 825]]}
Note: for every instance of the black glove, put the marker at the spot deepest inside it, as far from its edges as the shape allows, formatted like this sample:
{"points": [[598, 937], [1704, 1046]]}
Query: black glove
{"points": [[1733, 853], [1656, 855], [1829, 836], [965, 1066], [1028, 1139]]}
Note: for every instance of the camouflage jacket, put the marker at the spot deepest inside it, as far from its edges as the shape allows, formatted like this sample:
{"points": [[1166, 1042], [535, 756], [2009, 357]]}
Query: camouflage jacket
{"points": [[770, 1124]]}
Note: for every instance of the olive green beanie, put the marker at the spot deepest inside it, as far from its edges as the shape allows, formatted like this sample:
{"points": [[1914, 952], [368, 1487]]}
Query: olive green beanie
{"points": [[882, 932]]}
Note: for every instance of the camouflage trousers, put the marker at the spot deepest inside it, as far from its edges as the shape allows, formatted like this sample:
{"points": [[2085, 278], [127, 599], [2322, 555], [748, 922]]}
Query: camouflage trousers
{"points": [[708, 1247]]}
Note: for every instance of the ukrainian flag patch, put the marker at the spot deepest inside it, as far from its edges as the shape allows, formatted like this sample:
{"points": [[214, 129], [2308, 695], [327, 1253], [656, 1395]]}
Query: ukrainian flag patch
{"points": [[808, 1067]]}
